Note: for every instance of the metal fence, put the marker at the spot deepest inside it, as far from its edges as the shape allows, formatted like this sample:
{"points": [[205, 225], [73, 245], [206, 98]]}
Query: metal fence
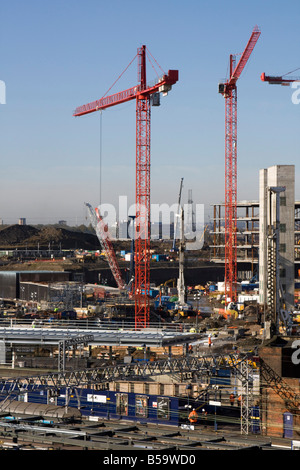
{"points": [[90, 323]]}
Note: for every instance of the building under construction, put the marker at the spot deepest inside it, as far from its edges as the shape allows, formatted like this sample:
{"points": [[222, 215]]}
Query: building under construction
{"points": [[254, 219]]}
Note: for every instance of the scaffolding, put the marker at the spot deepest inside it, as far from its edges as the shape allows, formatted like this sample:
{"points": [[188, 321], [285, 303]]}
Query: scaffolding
{"points": [[65, 295], [247, 236]]}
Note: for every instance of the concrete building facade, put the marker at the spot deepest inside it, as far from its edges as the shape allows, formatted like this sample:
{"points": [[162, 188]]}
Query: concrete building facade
{"points": [[277, 194]]}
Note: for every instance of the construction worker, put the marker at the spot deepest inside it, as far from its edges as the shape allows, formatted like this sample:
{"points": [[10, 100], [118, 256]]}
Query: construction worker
{"points": [[209, 341], [193, 416], [204, 416], [231, 398]]}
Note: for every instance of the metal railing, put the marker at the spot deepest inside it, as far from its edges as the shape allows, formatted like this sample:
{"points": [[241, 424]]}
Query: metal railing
{"points": [[90, 323]]}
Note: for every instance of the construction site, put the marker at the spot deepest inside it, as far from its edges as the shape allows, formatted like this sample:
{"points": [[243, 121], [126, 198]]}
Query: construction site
{"points": [[144, 343]]}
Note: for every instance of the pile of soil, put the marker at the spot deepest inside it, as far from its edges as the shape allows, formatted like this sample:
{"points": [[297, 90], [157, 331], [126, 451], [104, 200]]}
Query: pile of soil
{"points": [[14, 235], [21, 236]]}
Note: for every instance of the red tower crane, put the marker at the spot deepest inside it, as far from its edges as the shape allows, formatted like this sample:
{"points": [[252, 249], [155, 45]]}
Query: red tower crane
{"points": [[279, 80], [229, 91], [142, 94]]}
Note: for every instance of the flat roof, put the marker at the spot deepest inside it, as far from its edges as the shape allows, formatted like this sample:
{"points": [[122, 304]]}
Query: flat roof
{"points": [[47, 335]]}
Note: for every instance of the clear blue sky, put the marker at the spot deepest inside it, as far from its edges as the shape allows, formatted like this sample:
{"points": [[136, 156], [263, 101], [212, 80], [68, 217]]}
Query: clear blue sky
{"points": [[57, 55]]}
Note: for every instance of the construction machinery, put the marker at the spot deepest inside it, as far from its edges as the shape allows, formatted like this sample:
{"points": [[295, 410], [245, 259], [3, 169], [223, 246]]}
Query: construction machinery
{"points": [[177, 215], [181, 291], [106, 245], [142, 93], [229, 91]]}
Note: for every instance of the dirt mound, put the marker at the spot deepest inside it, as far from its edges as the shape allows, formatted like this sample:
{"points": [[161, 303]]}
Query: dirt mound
{"points": [[14, 235], [18, 236]]}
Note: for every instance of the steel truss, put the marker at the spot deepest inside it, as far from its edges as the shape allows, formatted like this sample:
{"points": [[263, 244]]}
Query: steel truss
{"points": [[208, 364], [246, 373], [231, 191], [64, 345], [291, 399], [142, 223]]}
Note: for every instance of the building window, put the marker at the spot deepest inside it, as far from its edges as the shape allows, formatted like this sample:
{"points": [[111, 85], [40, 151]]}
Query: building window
{"points": [[282, 228], [282, 247], [122, 404], [141, 406], [282, 200]]}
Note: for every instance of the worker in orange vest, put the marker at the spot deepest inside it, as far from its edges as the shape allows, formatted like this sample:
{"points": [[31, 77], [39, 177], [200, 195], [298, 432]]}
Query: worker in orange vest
{"points": [[209, 341], [193, 416]]}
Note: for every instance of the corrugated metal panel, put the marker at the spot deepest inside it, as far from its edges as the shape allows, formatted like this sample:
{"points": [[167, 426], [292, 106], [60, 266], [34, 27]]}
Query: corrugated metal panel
{"points": [[39, 409], [32, 291], [10, 280], [9, 284], [44, 276]]}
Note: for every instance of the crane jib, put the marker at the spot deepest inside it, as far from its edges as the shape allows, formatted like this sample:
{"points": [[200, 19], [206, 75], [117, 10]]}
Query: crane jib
{"points": [[127, 95]]}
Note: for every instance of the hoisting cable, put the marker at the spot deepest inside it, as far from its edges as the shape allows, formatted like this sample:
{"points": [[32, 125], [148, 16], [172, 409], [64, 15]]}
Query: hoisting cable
{"points": [[100, 160]]}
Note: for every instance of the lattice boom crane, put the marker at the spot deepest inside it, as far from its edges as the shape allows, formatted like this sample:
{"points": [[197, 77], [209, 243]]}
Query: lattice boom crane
{"points": [[105, 242], [229, 91], [141, 93]]}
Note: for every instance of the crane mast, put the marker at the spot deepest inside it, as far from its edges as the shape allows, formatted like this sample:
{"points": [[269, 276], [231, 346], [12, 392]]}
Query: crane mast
{"points": [[180, 281], [177, 215], [142, 197], [229, 91]]}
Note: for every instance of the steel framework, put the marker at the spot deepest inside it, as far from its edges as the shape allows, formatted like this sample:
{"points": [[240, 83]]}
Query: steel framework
{"points": [[141, 93], [206, 364], [142, 223], [246, 374], [70, 343], [229, 91], [105, 242]]}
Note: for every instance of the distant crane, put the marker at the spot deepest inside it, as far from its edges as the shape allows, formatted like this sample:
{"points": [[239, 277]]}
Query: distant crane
{"points": [[105, 242], [229, 91], [280, 80], [180, 281], [177, 215], [142, 94]]}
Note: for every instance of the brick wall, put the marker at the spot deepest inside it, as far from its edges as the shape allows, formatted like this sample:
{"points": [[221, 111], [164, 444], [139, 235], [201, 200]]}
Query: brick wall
{"points": [[273, 405]]}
